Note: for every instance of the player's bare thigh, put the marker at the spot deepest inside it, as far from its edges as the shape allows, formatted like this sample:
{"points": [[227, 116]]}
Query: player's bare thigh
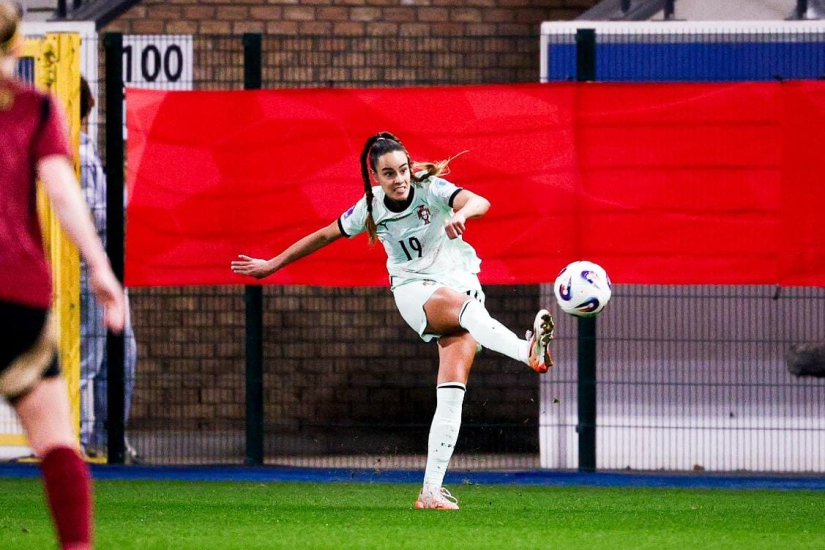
{"points": [[456, 352], [443, 309], [46, 417]]}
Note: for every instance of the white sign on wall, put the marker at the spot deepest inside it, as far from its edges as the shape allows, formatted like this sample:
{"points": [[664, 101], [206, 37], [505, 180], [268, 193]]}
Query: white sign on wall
{"points": [[157, 61]]}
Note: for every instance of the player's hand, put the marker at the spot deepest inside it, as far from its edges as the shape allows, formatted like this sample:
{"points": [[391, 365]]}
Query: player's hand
{"points": [[253, 267], [108, 292], [456, 226]]}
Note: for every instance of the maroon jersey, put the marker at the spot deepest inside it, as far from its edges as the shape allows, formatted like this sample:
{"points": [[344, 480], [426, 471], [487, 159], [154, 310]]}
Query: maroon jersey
{"points": [[31, 128]]}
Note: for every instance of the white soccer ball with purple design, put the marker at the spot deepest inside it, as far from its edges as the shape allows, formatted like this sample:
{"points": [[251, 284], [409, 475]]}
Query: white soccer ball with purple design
{"points": [[582, 289]]}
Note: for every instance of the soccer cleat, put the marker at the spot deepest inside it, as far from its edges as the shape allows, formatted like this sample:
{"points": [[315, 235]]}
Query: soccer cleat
{"points": [[438, 499], [543, 332]]}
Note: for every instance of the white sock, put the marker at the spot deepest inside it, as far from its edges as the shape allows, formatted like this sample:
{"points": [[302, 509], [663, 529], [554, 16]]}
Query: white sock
{"points": [[491, 334], [443, 432]]}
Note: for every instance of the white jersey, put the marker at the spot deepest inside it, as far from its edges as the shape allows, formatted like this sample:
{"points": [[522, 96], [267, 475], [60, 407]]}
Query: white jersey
{"points": [[413, 234]]}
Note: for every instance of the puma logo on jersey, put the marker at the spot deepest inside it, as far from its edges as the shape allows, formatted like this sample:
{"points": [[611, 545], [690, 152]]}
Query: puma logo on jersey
{"points": [[424, 214]]}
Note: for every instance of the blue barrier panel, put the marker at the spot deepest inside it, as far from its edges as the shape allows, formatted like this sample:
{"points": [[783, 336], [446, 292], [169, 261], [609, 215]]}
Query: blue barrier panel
{"points": [[691, 52]]}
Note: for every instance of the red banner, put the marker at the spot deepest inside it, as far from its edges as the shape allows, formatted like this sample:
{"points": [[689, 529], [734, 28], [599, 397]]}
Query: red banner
{"points": [[658, 183]]}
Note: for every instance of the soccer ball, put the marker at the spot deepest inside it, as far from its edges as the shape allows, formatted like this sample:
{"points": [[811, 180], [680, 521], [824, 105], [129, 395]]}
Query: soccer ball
{"points": [[582, 289]]}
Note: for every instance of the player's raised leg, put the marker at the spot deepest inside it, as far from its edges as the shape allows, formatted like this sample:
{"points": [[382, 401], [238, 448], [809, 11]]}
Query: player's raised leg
{"points": [[448, 308]]}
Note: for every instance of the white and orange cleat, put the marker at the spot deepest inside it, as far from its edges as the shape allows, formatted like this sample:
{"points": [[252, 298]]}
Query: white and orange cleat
{"points": [[436, 499], [543, 332]]}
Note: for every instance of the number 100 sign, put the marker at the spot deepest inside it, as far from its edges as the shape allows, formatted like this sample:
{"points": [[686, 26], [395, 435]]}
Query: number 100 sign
{"points": [[161, 62]]}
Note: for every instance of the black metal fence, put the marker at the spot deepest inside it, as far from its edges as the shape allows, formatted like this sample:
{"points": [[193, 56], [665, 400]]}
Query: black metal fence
{"points": [[346, 383], [688, 378]]}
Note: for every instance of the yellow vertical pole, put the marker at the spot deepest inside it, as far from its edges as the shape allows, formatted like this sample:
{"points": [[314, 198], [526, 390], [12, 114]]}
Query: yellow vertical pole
{"points": [[57, 70]]}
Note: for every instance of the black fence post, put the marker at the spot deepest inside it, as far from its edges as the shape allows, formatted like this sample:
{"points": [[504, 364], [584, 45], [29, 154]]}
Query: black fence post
{"points": [[801, 9], [670, 9], [115, 352], [586, 428], [625, 6], [253, 297], [585, 55]]}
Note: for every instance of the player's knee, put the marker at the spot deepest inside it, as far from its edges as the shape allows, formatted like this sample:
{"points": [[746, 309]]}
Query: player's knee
{"points": [[21, 376]]}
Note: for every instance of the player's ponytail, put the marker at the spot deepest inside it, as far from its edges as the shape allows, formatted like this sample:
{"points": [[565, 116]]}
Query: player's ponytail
{"points": [[433, 169], [372, 230], [425, 170]]}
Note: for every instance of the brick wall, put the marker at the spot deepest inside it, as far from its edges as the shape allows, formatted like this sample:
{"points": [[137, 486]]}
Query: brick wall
{"points": [[346, 17], [343, 372], [351, 42]]}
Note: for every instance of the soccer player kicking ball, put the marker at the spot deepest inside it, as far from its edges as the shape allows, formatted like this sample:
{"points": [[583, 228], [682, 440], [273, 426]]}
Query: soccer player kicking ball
{"points": [[33, 142], [420, 218]]}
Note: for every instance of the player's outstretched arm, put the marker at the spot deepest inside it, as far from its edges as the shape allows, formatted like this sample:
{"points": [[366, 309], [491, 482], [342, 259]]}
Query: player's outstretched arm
{"points": [[59, 183], [467, 205], [259, 268]]}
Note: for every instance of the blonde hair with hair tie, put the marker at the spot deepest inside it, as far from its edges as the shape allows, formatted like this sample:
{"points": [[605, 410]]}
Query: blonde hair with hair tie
{"points": [[9, 26]]}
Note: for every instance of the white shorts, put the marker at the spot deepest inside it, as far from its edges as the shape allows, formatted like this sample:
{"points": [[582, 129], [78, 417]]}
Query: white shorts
{"points": [[411, 297]]}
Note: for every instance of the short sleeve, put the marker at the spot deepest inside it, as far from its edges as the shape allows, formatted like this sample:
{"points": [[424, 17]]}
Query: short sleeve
{"points": [[52, 137], [444, 191], [352, 222]]}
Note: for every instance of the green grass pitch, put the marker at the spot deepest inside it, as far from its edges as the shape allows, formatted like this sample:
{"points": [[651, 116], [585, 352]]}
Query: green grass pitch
{"points": [[218, 515]]}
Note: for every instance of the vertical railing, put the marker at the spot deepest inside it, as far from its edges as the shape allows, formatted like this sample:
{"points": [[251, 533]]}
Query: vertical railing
{"points": [[586, 427], [62, 10], [115, 352], [253, 296], [670, 9], [52, 64], [801, 9]]}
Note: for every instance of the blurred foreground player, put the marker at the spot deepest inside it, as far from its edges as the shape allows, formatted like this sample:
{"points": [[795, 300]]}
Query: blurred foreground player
{"points": [[33, 143]]}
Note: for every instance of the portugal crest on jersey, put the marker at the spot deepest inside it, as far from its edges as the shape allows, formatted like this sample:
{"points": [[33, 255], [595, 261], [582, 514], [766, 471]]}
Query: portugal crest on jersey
{"points": [[424, 214]]}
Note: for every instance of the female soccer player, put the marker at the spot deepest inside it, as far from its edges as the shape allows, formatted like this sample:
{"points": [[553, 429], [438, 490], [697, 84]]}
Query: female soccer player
{"points": [[33, 142], [420, 219]]}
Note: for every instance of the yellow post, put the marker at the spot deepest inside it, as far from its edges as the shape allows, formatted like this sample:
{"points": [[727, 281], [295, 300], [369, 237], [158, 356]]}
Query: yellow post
{"points": [[57, 70]]}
